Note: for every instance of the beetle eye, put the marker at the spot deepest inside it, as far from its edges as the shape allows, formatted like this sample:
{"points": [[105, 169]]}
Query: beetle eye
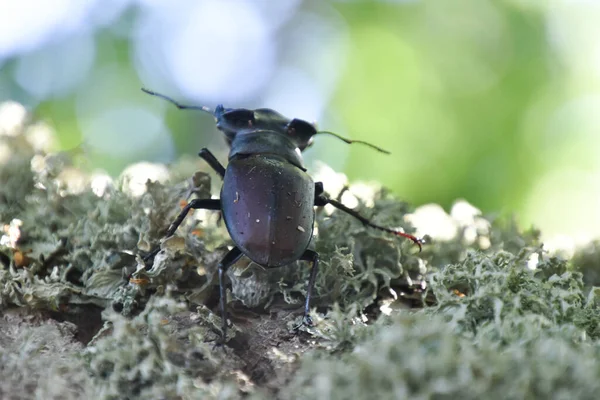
{"points": [[239, 117], [301, 129], [301, 132]]}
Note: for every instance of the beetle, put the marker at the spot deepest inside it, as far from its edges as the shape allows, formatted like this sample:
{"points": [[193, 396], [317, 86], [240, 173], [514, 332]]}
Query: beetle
{"points": [[267, 199]]}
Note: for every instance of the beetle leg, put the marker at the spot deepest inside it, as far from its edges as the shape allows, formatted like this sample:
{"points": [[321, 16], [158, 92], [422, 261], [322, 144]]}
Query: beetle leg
{"points": [[310, 255], [230, 258], [207, 204], [210, 158], [319, 196], [341, 193], [322, 200]]}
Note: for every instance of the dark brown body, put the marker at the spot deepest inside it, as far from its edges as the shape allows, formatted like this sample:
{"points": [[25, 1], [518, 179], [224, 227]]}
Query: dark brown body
{"points": [[268, 208]]}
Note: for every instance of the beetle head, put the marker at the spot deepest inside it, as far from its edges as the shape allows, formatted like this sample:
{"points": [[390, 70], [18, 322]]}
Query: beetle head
{"points": [[232, 121]]}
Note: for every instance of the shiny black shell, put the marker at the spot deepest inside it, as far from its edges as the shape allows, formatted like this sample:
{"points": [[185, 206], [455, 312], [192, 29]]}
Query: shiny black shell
{"points": [[268, 208]]}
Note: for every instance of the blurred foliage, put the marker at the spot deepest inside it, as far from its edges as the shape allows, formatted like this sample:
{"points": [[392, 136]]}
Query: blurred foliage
{"points": [[447, 90], [491, 101]]}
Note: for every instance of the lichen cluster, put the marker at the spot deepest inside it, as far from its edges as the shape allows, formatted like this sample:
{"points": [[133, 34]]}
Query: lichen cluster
{"points": [[483, 312]]}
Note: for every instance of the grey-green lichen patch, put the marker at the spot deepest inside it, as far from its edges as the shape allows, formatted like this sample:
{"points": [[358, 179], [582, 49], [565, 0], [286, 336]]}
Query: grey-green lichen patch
{"points": [[40, 359], [587, 261], [418, 356], [73, 245], [164, 352], [482, 311], [499, 329]]}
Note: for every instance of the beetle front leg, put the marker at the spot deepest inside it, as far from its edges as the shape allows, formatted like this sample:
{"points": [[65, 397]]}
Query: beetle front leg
{"points": [[230, 258], [210, 158], [313, 256]]}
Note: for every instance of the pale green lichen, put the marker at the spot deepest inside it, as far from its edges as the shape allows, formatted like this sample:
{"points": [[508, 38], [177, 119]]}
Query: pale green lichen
{"points": [[161, 353], [39, 359], [422, 357], [498, 330], [482, 312]]}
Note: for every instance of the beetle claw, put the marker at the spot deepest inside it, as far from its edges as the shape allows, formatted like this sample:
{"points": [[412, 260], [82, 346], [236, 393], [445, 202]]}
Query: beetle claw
{"points": [[419, 242], [307, 321], [220, 344]]}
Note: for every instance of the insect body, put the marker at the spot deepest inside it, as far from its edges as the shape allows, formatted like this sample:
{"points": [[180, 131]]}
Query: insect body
{"points": [[273, 218], [268, 198]]}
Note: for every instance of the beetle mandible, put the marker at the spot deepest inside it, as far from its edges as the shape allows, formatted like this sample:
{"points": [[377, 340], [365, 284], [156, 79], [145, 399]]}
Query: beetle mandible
{"points": [[267, 198]]}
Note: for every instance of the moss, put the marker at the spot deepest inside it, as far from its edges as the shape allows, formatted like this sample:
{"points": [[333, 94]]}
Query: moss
{"points": [[40, 359], [482, 311], [161, 353], [587, 261], [421, 356]]}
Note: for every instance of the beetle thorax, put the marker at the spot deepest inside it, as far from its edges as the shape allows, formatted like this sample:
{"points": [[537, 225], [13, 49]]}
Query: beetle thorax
{"points": [[266, 142]]}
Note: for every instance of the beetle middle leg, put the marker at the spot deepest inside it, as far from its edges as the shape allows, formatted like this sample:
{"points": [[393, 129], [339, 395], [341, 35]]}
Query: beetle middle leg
{"points": [[212, 161], [310, 255], [206, 204]]}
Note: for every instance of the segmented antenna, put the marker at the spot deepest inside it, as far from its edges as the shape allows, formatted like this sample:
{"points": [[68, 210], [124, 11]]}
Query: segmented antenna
{"points": [[211, 112], [349, 141], [177, 104]]}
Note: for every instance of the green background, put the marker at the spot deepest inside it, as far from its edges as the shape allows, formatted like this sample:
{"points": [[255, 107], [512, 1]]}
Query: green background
{"points": [[495, 102]]}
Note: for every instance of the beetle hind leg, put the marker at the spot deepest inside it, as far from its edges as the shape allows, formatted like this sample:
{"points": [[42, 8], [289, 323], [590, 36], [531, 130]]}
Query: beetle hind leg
{"points": [[230, 258], [313, 256], [321, 200]]}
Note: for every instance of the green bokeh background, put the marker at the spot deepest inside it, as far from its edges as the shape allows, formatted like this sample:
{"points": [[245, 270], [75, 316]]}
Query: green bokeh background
{"points": [[490, 101]]}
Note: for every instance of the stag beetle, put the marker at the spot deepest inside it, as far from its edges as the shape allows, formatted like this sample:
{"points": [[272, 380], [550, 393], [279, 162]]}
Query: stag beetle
{"points": [[267, 198]]}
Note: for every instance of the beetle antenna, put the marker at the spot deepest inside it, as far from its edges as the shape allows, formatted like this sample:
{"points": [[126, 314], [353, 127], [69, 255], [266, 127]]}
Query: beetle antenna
{"points": [[349, 141], [179, 105]]}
